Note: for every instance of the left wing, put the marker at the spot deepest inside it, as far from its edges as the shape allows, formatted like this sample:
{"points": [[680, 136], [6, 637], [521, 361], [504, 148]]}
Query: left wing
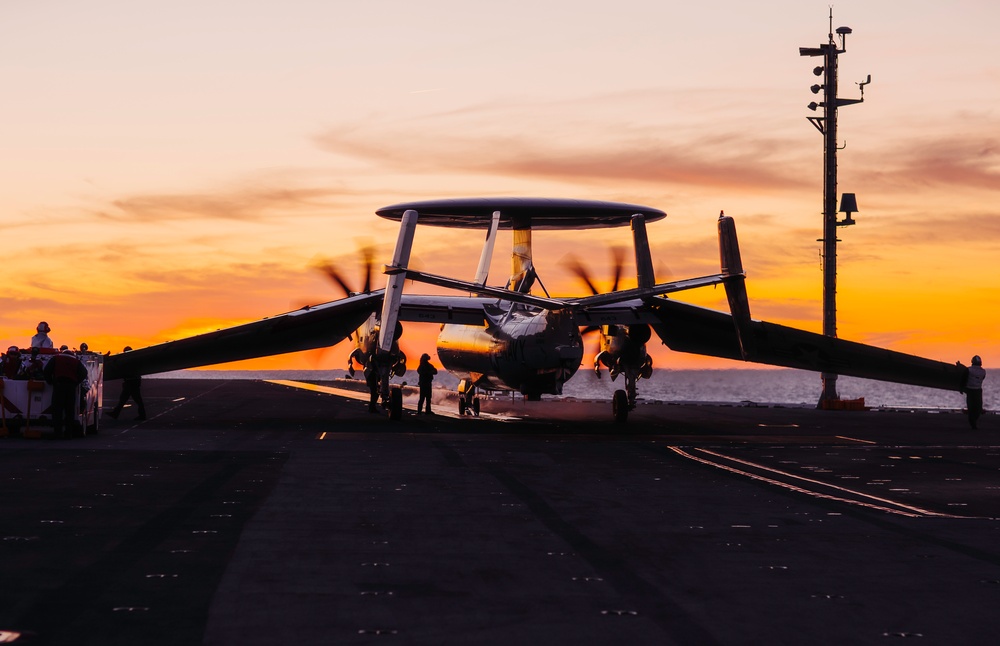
{"points": [[318, 326], [305, 329]]}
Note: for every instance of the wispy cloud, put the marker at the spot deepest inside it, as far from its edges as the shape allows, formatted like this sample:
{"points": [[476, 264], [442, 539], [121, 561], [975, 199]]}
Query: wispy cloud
{"points": [[717, 161], [946, 230], [928, 161], [248, 204], [542, 141]]}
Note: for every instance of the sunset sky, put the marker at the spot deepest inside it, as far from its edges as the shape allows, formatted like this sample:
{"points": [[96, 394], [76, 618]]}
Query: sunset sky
{"points": [[176, 167]]}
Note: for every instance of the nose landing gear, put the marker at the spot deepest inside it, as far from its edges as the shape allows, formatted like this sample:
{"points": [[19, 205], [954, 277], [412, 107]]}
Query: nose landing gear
{"points": [[395, 402], [624, 400]]}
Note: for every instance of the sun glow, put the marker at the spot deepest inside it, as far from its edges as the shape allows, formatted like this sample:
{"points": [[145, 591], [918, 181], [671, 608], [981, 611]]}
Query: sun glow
{"points": [[154, 191]]}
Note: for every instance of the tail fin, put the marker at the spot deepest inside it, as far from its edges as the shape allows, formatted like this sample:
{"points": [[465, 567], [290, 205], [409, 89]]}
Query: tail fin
{"points": [[483, 271], [394, 284], [521, 268], [643, 260], [735, 283]]}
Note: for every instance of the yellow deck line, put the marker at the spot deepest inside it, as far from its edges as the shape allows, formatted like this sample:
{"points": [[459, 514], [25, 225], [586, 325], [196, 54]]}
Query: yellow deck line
{"points": [[352, 394]]}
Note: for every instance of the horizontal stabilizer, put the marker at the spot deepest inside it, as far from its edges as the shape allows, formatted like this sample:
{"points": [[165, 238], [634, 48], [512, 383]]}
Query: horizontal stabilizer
{"points": [[558, 303], [473, 288], [647, 292]]}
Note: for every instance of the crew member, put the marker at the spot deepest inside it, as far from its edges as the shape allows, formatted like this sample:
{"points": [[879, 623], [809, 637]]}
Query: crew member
{"points": [[974, 377], [372, 380], [42, 340], [130, 388], [85, 386], [425, 372], [12, 363], [65, 372], [34, 368]]}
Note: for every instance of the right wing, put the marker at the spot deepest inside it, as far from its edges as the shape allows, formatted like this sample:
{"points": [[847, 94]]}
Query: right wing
{"points": [[688, 328], [738, 336]]}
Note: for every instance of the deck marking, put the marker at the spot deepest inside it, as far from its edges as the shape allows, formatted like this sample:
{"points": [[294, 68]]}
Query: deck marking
{"points": [[910, 511], [180, 403], [854, 439], [353, 394], [918, 510], [350, 394]]}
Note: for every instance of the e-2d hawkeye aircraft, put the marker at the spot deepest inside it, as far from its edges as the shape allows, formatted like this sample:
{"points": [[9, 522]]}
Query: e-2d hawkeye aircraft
{"points": [[506, 338]]}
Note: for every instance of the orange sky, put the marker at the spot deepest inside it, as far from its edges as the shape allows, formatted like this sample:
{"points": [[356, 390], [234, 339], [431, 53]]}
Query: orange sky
{"points": [[177, 169]]}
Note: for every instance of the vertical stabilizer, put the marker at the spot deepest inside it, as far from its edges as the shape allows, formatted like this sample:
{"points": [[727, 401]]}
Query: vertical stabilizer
{"points": [[643, 261], [394, 284], [521, 269], [483, 272], [735, 283]]}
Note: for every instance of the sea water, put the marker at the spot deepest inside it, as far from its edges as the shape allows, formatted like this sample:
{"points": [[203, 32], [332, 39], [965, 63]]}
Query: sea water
{"points": [[792, 387]]}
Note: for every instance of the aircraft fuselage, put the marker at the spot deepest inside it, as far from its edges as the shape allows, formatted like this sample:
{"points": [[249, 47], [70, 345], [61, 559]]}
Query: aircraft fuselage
{"points": [[522, 349]]}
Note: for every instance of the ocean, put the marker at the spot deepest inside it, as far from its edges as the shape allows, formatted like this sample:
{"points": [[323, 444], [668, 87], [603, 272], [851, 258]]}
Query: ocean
{"points": [[789, 387]]}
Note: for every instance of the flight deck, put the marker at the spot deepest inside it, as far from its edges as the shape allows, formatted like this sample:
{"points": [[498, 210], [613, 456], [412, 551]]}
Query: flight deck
{"points": [[251, 512]]}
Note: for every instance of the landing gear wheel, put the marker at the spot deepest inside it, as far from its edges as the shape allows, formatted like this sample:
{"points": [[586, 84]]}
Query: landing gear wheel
{"points": [[95, 425], [395, 403], [475, 407], [461, 405], [619, 406]]}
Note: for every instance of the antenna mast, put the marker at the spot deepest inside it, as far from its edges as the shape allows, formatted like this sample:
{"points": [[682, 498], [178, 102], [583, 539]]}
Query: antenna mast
{"points": [[827, 126]]}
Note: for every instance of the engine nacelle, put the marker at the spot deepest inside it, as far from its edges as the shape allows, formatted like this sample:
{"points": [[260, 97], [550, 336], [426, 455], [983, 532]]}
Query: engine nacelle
{"points": [[467, 351]]}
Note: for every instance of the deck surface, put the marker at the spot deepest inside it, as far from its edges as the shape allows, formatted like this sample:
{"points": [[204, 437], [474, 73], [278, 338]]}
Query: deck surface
{"points": [[247, 513]]}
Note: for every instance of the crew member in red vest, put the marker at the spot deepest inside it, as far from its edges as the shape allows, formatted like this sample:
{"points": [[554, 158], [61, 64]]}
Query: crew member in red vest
{"points": [[65, 372], [131, 387]]}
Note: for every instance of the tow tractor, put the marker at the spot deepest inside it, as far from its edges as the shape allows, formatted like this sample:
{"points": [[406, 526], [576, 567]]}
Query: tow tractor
{"points": [[27, 403]]}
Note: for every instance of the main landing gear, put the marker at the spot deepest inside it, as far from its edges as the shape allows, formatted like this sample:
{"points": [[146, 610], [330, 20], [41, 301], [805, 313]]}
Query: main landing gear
{"points": [[620, 406], [395, 402], [465, 408], [468, 399]]}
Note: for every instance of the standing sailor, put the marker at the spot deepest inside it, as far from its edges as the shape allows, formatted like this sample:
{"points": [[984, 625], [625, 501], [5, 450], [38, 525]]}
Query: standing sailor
{"points": [[42, 340], [974, 390], [425, 372], [131, 387], [372, 381]]}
